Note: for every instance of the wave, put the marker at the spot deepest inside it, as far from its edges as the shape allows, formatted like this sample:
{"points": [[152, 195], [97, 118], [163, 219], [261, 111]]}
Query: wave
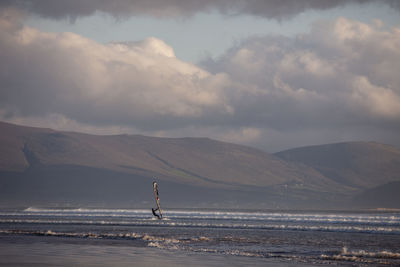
{"points": [[361, 255], [386, 223], [85, 210], [226, 245], [194, 224], [150, 240], [387, 219], [68, 234]]}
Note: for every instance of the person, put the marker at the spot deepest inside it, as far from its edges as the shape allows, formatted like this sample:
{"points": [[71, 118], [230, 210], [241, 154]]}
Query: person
{"points": [[155, 214]]}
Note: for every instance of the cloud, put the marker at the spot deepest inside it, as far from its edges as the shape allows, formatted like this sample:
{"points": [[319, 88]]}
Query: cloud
{"points": [[176, 8], [63, 123], [341, 77], [68, 74], [338, 82]]}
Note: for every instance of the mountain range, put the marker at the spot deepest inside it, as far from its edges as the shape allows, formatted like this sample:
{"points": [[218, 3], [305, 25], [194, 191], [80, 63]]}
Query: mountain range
{"points": [[40, 166]]}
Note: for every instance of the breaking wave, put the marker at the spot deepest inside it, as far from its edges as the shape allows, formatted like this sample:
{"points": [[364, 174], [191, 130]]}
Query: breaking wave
{"points": [[391, 218], [226, 245], [152, 222], [76, 235], [383, 223], [361, 256]]}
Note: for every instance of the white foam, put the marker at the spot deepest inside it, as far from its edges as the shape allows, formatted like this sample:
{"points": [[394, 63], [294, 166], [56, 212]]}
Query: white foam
{"points": [[361, 255], [378, 218], [201, 239], [368, 254], [85, 210], [386, 223], [243, 253], [217, 224], [76, 235]]}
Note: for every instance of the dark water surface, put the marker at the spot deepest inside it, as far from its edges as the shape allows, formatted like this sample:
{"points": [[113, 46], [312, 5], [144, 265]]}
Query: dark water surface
{"points": [[112, 237]]}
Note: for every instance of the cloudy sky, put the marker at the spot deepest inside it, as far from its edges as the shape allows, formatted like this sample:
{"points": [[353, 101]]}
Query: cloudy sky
{"points": [[271, 74]]}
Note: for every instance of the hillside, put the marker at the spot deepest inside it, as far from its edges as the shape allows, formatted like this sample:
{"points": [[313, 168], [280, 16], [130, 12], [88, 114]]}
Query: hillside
{"points": [[386, 196], [199, 161], [50, 167], [357, 164]]}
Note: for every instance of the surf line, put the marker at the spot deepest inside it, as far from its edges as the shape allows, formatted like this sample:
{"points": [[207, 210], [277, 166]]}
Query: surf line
{"points": [[159, 215]]}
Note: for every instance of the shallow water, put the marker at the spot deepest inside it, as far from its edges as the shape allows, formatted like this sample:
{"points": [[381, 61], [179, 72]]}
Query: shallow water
{"points": [[104, 237]]}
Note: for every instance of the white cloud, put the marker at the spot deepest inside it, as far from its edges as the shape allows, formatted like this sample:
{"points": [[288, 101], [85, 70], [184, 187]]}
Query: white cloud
{"points": [[68, 74], [62, 123], [341, 76], [381, 102], [312, 67], [334, 82]]}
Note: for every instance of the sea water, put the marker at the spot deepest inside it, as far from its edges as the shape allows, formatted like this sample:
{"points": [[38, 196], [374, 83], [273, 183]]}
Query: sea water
{"points": [[127, 237]]}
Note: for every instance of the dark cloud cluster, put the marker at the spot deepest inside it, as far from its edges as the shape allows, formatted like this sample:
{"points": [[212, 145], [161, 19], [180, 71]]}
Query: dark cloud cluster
{"points": [[278, 9]]}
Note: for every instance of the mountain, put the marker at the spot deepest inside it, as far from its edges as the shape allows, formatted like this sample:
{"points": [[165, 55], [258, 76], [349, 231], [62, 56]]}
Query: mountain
{"points": [[199, 161], [46, 167], [386, 195], [371, 169], [360, 165]]}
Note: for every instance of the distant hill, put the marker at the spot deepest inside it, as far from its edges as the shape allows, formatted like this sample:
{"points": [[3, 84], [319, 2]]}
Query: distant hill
{"points": [[357, 164], [383, 196], [198, 161], [49, 167]]}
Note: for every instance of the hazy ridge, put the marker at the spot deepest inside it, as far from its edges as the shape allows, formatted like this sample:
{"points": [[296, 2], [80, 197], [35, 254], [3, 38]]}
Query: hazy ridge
{"points": [[46, 166]]}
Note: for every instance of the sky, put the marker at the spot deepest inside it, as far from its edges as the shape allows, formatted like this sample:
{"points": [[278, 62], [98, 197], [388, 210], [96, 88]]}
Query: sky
{"points": [[269, 74]]}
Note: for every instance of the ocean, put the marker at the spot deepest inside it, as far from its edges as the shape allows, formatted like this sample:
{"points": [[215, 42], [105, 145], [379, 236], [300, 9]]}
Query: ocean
{"points": [[133, 237]]}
